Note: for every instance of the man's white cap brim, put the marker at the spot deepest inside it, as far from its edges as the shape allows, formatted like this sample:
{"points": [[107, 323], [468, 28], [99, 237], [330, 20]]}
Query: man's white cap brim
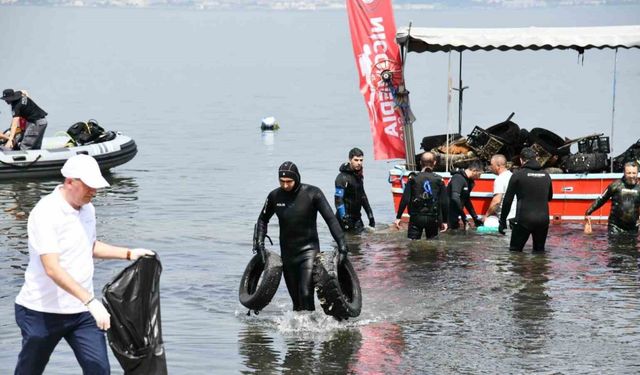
{"points": [[85, 168]]}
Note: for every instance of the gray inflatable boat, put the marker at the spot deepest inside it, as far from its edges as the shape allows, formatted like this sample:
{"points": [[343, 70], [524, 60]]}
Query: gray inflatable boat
{"points": [[47, 161]]}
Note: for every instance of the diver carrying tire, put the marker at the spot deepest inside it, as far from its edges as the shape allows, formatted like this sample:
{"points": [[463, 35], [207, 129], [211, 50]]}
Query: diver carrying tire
{"points": [[338, 287], [260, 281]]}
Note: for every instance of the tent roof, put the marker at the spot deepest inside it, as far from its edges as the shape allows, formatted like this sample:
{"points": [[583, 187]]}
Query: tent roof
{"points": [[534, 38]]}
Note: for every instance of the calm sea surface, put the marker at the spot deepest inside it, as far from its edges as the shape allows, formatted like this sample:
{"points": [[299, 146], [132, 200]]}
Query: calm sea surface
{"points": [[191, 87]]}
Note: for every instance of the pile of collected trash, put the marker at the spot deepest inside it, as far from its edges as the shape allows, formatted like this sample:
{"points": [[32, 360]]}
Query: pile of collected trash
{"points": [[507, 138]]}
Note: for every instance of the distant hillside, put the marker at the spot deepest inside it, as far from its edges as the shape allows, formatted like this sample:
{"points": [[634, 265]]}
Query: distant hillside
{"points": [[314, 4]]}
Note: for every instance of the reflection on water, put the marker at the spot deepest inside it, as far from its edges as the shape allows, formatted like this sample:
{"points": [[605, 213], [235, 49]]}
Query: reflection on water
{"points": [[19, 197], [531, 307], [464, 304], [381, 351], [298, 343]]}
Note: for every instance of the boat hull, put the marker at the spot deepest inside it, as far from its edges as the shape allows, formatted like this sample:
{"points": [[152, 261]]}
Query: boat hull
{"points": [[48, 162], [573, 194]]}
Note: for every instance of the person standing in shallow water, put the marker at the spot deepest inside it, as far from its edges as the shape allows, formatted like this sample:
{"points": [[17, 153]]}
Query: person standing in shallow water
{"points": [[426, 197], [459, 192], [499, 167], [625, 201], [57, 299], [297, 206], [532, 186], [350, 197]]}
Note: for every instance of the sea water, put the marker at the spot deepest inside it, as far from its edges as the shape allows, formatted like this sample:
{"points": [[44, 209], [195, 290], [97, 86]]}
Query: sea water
{"points": [[191, 87]]}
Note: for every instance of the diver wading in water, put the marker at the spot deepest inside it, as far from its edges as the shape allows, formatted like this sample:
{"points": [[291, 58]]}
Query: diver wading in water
{"points": [[297, 206], [532, 187], [625, 201], [350, 197], [426, 197]]}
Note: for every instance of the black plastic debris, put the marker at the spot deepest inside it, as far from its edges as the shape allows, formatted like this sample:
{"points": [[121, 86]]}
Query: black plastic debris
{"points": [[133, 300]]}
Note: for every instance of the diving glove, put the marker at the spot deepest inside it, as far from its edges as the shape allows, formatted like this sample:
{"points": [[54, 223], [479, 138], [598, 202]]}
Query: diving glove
{"points": [[501, 227], [342, 253], [260, 250], [477, 222]]}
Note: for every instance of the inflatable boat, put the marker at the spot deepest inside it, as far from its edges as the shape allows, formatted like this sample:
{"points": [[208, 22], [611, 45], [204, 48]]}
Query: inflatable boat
{"points": [[47, 161]]}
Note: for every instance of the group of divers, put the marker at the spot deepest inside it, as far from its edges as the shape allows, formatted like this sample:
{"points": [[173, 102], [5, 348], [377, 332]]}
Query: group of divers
{"points": [[520, 202], [57, 299]]}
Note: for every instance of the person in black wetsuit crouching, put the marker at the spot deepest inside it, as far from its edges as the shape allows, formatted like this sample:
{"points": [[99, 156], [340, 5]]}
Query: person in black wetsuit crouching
{"points": [[350, 197], [532, 186], [297, 206], [426, 196]]}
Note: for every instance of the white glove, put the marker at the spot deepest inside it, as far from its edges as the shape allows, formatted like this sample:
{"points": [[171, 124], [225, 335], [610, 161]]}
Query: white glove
{"points": [[100, 314], [137, 253]]}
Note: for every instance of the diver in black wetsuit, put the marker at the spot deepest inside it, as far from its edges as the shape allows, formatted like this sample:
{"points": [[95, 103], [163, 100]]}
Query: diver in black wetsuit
{"points": [[459, 192], [625, 201], [426, 196], [350, 197], [297, 206], [532, 186]]}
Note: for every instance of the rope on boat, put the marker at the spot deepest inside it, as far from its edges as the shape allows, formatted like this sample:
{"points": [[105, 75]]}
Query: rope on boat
{"points": [[22, 166]]}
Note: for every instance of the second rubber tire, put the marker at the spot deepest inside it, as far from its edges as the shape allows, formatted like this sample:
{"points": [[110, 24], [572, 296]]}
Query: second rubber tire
{"points": [[338, 287]]}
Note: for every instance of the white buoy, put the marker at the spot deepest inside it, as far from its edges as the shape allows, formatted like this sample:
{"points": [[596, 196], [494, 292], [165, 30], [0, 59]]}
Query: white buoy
{"points": [[269, 123]]}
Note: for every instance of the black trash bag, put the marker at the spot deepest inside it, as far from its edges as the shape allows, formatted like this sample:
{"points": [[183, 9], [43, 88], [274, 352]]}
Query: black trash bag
{"points": [[434, 141], [133, 300]]}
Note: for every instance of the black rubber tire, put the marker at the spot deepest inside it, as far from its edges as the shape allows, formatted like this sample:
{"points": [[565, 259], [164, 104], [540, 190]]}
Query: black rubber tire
{"points": [[581, 163], [523, 139], [434, 141], [548, 140], [507, 131], [260, 282], [338, 288]]}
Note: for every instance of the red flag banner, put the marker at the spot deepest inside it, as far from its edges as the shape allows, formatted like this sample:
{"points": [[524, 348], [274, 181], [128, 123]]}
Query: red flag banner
{"points": [[373, 32]]}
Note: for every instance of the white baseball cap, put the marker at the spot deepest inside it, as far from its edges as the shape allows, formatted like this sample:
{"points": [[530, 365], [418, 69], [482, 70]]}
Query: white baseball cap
{"points": [[86, 169]]}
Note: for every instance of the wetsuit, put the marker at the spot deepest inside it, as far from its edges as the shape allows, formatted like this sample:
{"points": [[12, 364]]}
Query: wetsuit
{"points": [[350, 199], [532, 186], [297, 211], [459, 193], [426, 196], [625, 202], [36, 122]]}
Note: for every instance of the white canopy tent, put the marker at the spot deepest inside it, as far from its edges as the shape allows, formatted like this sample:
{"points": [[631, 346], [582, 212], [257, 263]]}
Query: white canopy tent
{"points": [[419, 39]]}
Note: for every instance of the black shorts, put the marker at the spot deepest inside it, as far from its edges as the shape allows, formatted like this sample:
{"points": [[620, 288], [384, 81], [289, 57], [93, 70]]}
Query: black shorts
{"points": [[418, 223]]}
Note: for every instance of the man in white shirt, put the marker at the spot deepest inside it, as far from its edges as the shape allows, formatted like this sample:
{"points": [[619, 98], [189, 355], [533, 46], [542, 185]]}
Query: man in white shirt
{"points": [[499, 167], [57, 299]]}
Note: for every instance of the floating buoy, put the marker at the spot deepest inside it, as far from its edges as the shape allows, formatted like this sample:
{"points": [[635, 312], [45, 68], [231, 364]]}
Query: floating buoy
{"points": [[269, 123]]}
